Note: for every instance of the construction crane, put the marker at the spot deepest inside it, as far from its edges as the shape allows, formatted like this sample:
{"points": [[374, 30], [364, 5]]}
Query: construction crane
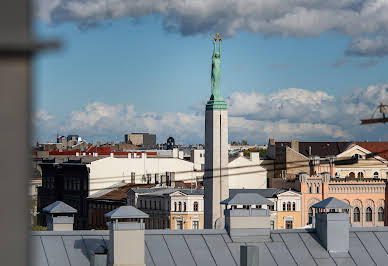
{"points": [[383, 108]]}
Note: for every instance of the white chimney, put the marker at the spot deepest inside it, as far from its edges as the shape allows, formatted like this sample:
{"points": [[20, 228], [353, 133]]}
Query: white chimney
{"points": [[59, 216], [126, 236], [175, 152]]}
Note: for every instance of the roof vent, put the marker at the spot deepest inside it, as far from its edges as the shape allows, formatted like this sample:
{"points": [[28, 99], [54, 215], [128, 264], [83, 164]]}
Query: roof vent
{"points": [[247, 217], [126, 234], [332, 224], [60, 216]]}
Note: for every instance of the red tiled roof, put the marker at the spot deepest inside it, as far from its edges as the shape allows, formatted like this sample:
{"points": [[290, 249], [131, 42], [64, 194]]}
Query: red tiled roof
{"points": [[120, 193], [379, 148]]}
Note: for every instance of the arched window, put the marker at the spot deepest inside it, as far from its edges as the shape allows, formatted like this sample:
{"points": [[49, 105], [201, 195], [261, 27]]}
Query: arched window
{"points": [[288, 206], [337, 175], [380, 214], [360, 175], [195, 206], [375, 175], [293, 206], [180, 206], [175, 209], [356, 215], [317, 189], [310, 189], [284, 206], [368, 214], [352, 175], [184, 206]]}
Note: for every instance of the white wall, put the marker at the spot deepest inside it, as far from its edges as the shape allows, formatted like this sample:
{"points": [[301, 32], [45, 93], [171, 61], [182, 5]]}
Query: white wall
{"points": [[245, 173], [108, 171]]}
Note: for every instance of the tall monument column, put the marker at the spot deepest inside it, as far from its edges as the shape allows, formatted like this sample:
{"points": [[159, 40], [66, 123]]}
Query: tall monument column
{"points": [[216, 181]]}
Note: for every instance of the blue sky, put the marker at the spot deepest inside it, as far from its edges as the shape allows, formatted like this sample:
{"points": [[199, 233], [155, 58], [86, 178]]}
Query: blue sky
{"points": [[134, 61]]}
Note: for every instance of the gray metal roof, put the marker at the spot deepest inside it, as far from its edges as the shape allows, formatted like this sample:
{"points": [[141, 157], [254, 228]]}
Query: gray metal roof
{"points": [[126, 212], [59, 207], [266, 192], [160, 191], [331, 203], [368, 246], [247, 199]]}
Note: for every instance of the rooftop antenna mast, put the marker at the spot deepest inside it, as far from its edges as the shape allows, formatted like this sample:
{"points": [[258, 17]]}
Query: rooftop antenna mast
{"points": [[383, 109]]}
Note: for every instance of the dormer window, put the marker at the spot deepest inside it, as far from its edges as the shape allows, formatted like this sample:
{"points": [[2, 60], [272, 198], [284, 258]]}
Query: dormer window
{"points": [[357, 156], [375, 175]]}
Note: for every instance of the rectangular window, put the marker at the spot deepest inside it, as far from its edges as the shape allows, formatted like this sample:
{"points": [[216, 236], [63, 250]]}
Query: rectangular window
{"points": [[195, 225], [133, 175], [179, 225], [289, 224], [272, 224]]}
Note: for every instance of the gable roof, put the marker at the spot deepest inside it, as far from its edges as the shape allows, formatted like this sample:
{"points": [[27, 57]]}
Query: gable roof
{"points": [[321, 149], [59, 207], [367, 246], [117, 192], [377, 148]]}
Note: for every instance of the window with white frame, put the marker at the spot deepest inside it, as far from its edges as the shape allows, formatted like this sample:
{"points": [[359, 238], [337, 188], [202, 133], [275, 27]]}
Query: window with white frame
{"points": [[195, 225]]}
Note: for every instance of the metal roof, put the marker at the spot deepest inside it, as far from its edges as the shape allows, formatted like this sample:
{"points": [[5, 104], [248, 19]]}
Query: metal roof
{"points": [[331, 203], [265, 192], [126, 212], [367, 246], [59, 207], [246, 199], [160, 191]]}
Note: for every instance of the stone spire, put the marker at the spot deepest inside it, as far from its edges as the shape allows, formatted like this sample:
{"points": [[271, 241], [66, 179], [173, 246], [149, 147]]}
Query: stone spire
{"points": [[216, 148]]}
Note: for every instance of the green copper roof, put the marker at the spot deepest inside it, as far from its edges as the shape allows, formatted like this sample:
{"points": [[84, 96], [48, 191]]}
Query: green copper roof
{"points": [[216, 105]]}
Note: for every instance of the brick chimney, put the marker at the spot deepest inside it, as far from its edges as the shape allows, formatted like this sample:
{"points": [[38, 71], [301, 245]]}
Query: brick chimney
{"points": [[126, 236], [332, 224], [251, 222], [59, 216], [295, 145]]}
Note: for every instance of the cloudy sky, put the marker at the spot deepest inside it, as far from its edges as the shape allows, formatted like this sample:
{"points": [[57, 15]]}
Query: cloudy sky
{"points": [[303, 69]]}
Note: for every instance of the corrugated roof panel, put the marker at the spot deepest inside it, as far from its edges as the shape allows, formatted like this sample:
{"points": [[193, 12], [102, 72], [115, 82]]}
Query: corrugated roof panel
{"points": [[280, 253], [325, 262], [219, 250], [158, 250], [76, 250], [265, 257], [91, 242], [383, 237], [298, 249], [199, 250], [314, 246], [55, 250], [276, 238], [344, 261], [38, 256], [235, 250], [179, 250], [147, 256], [374, 248], [358, 252]]}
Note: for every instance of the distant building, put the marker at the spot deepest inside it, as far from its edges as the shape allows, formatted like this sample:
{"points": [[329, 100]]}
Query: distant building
{"points": [[169, 208], [340, 159], [107, 200], [366, 196], [286, 211], [140, 139]]}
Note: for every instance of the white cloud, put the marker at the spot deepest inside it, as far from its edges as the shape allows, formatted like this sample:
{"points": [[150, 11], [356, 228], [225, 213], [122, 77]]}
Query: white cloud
{"points": [[288, 113], [354, 18]]}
